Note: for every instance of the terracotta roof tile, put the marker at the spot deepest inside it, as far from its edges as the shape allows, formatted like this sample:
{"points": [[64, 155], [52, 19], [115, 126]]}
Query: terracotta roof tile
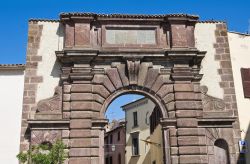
{"points": [[12, 66], [128, 15], [43, 20], [211, 21]]}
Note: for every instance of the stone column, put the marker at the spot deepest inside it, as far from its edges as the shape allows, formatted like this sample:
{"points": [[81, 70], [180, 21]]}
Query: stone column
{"points": [[81, 145], [188, 106]]}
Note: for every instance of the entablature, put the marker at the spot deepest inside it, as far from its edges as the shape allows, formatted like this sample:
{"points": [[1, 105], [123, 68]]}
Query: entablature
{"points": [[120, 31]]}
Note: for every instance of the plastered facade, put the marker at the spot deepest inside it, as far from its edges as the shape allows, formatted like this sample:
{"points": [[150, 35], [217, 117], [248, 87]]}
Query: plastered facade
{"points": [[240, 57], [205, 38], [51, 40], [12, 85], [144, 107]]}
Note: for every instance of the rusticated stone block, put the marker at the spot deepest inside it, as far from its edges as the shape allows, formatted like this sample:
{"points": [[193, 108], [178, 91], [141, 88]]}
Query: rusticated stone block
{"points": [[103, 79], [101, 90], [66, 106], [65, 133], [187, 122], [81, 96], [165, 89], [161, 79], [85, 106], [192, 150], [151, 77], [187, 96], [36, 79], [80, 123], [173, 141], [121, 69], [79, 133], [66, 115], [183, 87], [80, 142], [172, 132], [226, 64], [95, 160], [66, 141], [168, 98], [66, 88], [170, 106], [171, 114], [29, 100], [188, 104], [175, 159], [80, 152], [114, 77], [80, 160], [174, 150], [190, 131], [98, 98], [191, 140], [84, 114], [143, 70], [193, 159], [66, 97], [81, 88], [81, 105], [188, 113]]}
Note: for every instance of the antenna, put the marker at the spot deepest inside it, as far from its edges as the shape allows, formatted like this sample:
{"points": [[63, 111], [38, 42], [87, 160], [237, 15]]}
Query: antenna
{"points": [[112, 115], [248, 31]]}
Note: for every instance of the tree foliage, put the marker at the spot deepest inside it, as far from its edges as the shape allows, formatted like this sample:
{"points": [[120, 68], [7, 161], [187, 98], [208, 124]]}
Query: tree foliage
{"points": [[44, 154]]}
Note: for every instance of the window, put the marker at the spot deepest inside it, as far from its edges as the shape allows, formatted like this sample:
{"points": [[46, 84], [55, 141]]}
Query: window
{"points": [[111, 139], [135, 144], [245, 75], [118, 136], [119, 159], [155, 119], [135, 119]]}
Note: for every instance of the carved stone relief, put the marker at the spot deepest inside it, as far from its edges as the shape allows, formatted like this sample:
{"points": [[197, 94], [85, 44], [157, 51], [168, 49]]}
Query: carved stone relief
{"points": [[52, 104], [211, 103]]}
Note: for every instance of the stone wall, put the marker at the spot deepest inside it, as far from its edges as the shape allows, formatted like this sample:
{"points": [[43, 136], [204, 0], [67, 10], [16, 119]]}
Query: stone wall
{"points": [[42, 69]]}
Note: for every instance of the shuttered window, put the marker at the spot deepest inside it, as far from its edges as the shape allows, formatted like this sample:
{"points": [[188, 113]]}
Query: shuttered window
{"points": [[245, 74]]}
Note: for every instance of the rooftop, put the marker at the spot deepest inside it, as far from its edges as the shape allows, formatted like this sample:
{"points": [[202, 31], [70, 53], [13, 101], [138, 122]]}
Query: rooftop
{"points": [[12, 66], [131, 104], [128, 15]]}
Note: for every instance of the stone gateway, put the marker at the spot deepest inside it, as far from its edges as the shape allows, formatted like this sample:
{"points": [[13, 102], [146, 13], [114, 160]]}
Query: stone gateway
{"points": [[78, 65]]}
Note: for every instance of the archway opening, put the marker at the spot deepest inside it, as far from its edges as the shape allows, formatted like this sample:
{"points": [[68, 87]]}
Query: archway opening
{"points": [[133, 133], [221, 152]]}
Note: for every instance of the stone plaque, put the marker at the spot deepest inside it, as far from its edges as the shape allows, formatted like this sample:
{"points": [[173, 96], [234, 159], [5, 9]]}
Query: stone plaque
{"points": [[131, 36]]}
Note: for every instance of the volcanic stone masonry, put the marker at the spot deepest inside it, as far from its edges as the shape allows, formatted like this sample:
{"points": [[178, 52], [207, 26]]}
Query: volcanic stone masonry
{"points": [[90, 59]]}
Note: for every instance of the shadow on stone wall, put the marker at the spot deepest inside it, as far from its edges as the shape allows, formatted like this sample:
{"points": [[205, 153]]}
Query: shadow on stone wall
{"points": [[244, 158]]}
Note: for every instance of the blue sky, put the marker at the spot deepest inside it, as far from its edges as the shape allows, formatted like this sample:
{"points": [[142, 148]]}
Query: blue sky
{"points": [[115, 111], [16, 13]]}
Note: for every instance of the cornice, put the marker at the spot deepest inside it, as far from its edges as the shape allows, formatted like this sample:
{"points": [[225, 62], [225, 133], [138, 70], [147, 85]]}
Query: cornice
{"points": [[12, 66]]}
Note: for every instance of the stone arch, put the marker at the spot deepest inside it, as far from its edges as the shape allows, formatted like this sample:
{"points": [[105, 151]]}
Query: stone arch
{"points": [[133, 89]]}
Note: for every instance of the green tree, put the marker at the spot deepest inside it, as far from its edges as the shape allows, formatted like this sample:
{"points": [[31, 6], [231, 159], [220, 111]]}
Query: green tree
{"points": [[44, 154]]}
